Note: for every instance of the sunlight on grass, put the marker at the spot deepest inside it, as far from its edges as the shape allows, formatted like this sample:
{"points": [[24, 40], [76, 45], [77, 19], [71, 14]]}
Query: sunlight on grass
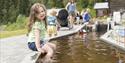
{"points": [[5, 34]]}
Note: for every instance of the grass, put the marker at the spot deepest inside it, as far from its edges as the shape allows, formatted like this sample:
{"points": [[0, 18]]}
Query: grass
{"points": [[14, 29], [5, 34]]}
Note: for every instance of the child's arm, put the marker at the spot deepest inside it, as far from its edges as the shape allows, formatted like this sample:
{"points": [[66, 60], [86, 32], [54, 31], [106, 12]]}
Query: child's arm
{"points": [[37, 40], [58, 24], [67, 6]]}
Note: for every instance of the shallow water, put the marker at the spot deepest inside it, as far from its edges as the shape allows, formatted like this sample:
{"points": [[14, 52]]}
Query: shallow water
{"points": [[86, 48]]}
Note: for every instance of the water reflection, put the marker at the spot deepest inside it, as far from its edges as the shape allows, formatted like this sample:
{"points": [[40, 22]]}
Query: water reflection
{"points": [[87, 48]]}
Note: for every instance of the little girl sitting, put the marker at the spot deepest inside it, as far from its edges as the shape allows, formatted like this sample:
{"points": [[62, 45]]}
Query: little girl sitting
{"points": [[37, 30]]}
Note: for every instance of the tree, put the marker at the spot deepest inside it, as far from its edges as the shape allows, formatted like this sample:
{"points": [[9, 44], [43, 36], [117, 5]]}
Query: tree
{"points": [[90, 3], [24, 6], [59, 4], [8, 10], [81, 4]]}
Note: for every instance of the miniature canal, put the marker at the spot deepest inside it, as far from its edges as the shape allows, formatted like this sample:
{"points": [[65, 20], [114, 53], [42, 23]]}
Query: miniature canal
{"points": [[86, 48]]}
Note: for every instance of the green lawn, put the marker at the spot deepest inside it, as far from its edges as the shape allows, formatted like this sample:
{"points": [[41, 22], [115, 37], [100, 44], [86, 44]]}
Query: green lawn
{"points": [[5, 34]]}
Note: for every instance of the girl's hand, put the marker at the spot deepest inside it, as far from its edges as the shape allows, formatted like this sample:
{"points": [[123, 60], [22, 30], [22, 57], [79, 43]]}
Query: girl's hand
{"points": [[41, 50]]}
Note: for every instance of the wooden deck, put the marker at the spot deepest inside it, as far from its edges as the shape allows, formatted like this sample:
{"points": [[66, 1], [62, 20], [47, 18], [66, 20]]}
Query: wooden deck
{"points": [[109, 40], [65, 31]]}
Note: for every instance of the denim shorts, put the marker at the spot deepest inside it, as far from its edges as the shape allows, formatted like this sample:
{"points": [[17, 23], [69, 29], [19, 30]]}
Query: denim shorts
{"points": [[32, 45]]}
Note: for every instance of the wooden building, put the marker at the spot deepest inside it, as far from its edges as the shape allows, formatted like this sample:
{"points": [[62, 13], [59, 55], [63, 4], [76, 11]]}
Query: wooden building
{"points": [[116, 5], [109, 7], [102, 9]]}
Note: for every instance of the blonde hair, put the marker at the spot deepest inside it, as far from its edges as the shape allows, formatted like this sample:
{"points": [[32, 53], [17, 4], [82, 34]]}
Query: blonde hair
{"points": [[32, 16], [53, 12], [88, 10]]}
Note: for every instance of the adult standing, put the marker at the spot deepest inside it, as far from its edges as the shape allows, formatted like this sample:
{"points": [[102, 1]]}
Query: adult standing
{"points": [[71, 7]]}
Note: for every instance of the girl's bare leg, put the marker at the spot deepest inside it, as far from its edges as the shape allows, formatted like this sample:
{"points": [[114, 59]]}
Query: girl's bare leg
{"points": [[51, 45], [49, 54]]}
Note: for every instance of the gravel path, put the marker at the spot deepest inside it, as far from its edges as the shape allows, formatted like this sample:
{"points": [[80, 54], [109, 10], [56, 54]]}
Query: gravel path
{"points": [[13, 49]]}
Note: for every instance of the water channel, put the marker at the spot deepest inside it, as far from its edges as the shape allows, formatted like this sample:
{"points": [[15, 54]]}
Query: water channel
{"points": [[86, 48]]}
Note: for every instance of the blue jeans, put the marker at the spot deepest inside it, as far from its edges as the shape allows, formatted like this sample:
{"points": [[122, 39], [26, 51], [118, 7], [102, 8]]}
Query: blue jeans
{"points": [[32, 45]]}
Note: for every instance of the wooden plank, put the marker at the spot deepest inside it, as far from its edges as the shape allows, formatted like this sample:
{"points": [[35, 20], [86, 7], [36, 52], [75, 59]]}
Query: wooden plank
{"points": [[62, 33], [107, 39], [31, 57]]}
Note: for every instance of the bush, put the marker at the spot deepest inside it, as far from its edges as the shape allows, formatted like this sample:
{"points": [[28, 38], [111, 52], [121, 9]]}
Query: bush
{"points": [[19, 24], [93, 12]]}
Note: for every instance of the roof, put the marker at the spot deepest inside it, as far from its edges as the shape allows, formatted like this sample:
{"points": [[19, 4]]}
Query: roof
{"points": [[103, 5]]}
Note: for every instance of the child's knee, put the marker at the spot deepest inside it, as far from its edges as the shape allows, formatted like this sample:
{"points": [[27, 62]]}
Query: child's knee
{"points": [[50, 53], [51, 45]]}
